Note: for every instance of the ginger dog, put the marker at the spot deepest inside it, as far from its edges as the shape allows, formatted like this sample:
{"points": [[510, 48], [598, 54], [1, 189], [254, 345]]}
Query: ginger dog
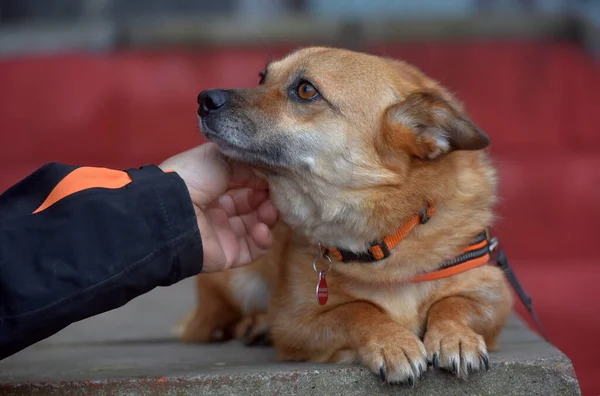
{"points": [[377, 168]]}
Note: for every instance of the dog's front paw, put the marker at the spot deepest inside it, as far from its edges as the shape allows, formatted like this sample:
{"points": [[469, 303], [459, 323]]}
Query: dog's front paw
{"points": [[397, 355], [254, 331], [456, 348]]}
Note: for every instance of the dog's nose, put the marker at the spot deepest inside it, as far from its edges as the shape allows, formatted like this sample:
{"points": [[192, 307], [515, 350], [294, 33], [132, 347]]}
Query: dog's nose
{"points": [[211, 101]]}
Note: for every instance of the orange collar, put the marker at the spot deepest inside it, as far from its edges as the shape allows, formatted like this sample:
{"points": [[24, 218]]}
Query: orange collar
{"points": [[475, 255], [379, 250]]}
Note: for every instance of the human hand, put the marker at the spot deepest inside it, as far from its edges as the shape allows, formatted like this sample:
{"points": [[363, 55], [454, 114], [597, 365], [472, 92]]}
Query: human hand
{"points": [[232, 206]]}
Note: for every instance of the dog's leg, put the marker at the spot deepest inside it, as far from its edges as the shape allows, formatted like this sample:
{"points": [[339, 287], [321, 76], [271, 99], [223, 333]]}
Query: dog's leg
{"points": [[350, 332], [460, 330], [214, 319]]}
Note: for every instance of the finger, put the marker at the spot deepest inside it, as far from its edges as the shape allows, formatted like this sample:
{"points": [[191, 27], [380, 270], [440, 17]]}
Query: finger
{"points": [[241, 201], [226, 203], [264, 214], [243, 176], [239, 225], [224, 248], [262, 236], [255, 245], [245, 257], [267, 213], [214, 256], [257, 197], [225, 236], [242, 225]]}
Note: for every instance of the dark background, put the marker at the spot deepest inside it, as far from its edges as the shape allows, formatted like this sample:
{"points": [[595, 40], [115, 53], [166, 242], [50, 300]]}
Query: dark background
{"points": [[114, 83]]}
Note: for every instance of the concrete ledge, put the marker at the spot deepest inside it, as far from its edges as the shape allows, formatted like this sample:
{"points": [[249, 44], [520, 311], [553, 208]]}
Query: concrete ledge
{"points": [[129, 351]]}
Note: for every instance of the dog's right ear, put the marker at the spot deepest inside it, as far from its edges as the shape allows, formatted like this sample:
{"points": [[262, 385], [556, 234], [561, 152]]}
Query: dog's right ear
{"points": [[427, 126]]}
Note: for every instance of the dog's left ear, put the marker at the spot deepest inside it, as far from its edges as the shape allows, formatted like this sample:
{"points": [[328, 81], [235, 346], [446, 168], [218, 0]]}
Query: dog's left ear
{"points": [[426, 126]]}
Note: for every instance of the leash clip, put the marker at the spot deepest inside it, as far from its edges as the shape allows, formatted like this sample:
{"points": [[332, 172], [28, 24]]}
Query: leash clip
{"points": [[321, 255], [493, 244]]}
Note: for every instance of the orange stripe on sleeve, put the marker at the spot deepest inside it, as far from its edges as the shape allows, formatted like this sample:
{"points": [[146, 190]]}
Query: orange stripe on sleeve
{"points": [[82, 179]]}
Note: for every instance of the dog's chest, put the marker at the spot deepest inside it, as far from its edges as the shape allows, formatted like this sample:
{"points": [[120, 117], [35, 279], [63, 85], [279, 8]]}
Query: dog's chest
{"points": [[401, 302]]}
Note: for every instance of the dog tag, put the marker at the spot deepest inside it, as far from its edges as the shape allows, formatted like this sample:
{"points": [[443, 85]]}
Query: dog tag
{"points": [[322, 291]]}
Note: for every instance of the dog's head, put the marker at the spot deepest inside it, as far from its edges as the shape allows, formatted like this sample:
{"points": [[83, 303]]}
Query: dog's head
{"points": [[340, 133]]}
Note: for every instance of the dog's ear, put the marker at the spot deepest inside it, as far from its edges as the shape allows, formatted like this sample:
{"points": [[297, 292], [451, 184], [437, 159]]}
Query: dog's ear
{"points": [[427, 126]]}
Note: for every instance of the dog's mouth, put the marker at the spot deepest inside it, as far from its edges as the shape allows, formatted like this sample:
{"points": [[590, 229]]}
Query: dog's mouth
{"points": [[223, 144], [265, 156]]}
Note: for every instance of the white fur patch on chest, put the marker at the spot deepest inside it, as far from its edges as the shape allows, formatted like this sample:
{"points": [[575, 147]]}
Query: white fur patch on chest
{"points": [[250, 291], [320, 216]]}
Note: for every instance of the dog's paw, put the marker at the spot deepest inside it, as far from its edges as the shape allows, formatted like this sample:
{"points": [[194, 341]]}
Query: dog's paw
{"points": [[254, 331], [459, 350], [397, 356]]}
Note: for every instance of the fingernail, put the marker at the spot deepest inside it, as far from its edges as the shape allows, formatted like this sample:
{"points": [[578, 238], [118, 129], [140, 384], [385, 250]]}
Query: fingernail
{"points": [[224, 200]]}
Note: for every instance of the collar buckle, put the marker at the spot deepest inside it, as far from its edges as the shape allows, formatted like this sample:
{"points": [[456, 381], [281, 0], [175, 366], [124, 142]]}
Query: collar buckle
{"points": [[380, 249], [375, 253]]}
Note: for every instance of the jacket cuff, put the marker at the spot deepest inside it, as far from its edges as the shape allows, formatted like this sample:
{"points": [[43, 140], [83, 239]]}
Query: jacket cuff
{"points": [[185, 245]]}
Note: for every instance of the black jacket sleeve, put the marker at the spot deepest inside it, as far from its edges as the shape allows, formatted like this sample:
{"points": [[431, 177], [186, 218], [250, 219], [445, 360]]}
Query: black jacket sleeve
{"points": [[91, 251]]}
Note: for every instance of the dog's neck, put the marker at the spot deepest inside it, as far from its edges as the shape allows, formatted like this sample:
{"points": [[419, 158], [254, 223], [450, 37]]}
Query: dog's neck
{"points": [[352, 220], [323, 214]]}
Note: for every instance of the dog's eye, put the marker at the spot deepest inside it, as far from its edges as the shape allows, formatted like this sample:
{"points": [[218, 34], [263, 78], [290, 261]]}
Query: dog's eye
{"points": [[306, 91]]}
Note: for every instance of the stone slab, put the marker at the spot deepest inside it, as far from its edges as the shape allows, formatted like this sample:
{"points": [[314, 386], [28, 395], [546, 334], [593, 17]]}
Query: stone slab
{"points": [[131, 351]]}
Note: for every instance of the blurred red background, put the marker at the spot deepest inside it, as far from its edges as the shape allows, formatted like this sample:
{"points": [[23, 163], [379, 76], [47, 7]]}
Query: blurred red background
{"points": [[537, 100]]}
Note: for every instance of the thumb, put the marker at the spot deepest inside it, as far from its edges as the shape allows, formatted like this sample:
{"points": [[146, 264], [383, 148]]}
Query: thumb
{"points": [[204, 171]]}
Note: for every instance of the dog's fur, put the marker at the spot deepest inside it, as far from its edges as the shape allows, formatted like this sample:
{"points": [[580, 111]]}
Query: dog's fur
{"points": [[379, 142]]}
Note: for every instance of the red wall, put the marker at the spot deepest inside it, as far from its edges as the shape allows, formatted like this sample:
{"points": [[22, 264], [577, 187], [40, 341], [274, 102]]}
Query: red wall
{"points": [[538, 101]]}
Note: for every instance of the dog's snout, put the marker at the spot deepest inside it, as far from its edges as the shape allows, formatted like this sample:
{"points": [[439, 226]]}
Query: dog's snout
{"points": [[211, 101]]}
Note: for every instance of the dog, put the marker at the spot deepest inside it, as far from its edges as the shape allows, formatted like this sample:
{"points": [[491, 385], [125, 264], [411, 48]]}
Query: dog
{"points": [[385, 192]]}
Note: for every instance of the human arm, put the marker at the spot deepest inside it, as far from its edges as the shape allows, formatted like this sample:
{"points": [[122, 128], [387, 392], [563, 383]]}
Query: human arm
{"points": [[68, 253]]}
